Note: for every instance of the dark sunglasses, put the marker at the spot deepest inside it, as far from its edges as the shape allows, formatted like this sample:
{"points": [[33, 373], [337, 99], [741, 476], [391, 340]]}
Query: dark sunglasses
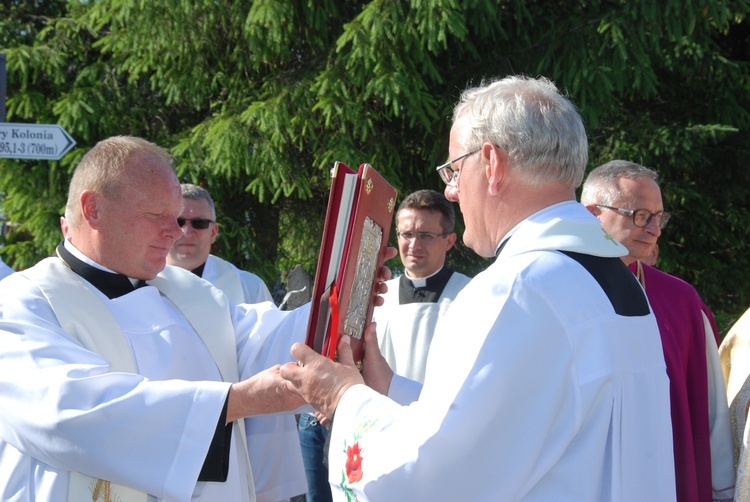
{"points": [[196, 223]]}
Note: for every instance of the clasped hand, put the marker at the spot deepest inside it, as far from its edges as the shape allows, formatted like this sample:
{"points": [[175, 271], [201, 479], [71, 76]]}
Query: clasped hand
{"points": [[322, 382]]}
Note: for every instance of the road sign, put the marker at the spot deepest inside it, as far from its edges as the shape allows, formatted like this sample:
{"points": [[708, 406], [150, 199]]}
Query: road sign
{"points": [[34, 141]]}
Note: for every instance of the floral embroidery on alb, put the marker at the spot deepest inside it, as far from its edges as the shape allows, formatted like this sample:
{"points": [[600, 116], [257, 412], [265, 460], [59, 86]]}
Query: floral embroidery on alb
{"points": [[353, 468]]}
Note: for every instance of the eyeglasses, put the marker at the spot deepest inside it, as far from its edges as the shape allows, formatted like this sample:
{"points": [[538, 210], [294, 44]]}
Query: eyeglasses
{"points": [[196, 223], [426, 237], [447, 173], [642, 217]]}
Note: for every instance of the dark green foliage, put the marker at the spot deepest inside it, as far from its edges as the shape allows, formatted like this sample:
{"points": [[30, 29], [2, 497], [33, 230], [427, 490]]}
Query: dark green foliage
{"points": [[258, 99]]}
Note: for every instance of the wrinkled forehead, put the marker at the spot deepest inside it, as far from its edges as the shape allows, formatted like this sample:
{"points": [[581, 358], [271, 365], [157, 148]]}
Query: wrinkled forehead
{"points": [[151, 180]]}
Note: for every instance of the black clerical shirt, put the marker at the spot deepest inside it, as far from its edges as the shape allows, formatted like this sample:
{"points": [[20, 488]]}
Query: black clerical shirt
{"points": [[430, 293]]}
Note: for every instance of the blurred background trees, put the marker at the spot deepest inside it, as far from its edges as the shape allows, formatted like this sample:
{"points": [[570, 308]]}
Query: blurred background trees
{"points": [[257, 99]]}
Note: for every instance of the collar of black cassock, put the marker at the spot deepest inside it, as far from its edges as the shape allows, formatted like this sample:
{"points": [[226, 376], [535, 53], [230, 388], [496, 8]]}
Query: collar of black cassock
{"points": [[430, 293], [111, 284]]}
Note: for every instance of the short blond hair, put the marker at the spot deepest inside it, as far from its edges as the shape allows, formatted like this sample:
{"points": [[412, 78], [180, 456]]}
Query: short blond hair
{"points": [[101, 169]]}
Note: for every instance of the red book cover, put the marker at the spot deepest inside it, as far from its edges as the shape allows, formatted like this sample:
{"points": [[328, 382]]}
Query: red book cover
{"points": [[327, 264], [355, 236]]}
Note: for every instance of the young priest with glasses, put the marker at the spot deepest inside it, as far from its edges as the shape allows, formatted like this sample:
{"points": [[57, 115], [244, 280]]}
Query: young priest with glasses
{"points": [[415, 301]]}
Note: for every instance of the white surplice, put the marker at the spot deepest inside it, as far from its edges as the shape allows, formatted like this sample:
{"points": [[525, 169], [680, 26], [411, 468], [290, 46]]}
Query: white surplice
{"points": [[547, 394], [65, 411], [240, 286], [272, 441], [405, 331]]}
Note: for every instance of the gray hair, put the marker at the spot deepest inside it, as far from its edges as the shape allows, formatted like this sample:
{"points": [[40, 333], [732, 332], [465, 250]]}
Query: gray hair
{"points": [[195, 192], [539, 127], [602, 184], [102, 169]]}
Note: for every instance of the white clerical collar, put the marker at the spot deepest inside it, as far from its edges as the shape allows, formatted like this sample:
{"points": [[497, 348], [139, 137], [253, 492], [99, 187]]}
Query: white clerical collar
{"points": [[421, 281], [532, 217], [78, 254]]}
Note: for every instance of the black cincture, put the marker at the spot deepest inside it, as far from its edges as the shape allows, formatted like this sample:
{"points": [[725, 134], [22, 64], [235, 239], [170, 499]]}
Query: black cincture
{"points": [[430, 293], [111, 284]]}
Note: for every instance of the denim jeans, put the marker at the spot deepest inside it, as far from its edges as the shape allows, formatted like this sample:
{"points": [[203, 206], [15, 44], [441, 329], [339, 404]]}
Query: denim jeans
{"points": [[312, 439]]}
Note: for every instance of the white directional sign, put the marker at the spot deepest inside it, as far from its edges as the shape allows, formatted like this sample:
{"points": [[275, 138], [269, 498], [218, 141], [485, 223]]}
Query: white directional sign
{"points": [[34, 141]]}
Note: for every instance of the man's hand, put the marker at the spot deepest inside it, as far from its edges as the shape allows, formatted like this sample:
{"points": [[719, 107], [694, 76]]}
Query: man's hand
{"points": [[383, 275], [320, 381], [323, 420], [375, 368], [265, 392]]}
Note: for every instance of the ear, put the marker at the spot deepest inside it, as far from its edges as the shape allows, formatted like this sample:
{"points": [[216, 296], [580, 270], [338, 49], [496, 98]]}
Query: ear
{"points": [[450, 240], [214, 232], [496, 164], [91, 209], [594, 209], [64, 227]]}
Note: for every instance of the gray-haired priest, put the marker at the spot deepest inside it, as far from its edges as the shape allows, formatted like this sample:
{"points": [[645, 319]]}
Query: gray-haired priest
{"points": [[545, 380]]}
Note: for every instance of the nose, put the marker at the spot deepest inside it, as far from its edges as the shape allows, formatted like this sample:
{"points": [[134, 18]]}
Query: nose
{"points": [[653, 227], [415, 243], [174, 230], [451, 192]]}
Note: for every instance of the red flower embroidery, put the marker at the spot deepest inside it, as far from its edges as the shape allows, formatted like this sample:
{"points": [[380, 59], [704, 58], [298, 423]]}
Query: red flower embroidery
{"points": [[353, 463]]}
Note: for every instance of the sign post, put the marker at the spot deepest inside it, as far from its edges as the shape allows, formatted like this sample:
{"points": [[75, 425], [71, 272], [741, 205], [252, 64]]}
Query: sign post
{"points": [[34, 141], [2, 87]]}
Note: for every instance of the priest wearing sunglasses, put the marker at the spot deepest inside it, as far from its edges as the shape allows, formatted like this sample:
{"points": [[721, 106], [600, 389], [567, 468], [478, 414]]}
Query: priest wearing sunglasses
{"points": [[273, 446], [192, 250]]}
